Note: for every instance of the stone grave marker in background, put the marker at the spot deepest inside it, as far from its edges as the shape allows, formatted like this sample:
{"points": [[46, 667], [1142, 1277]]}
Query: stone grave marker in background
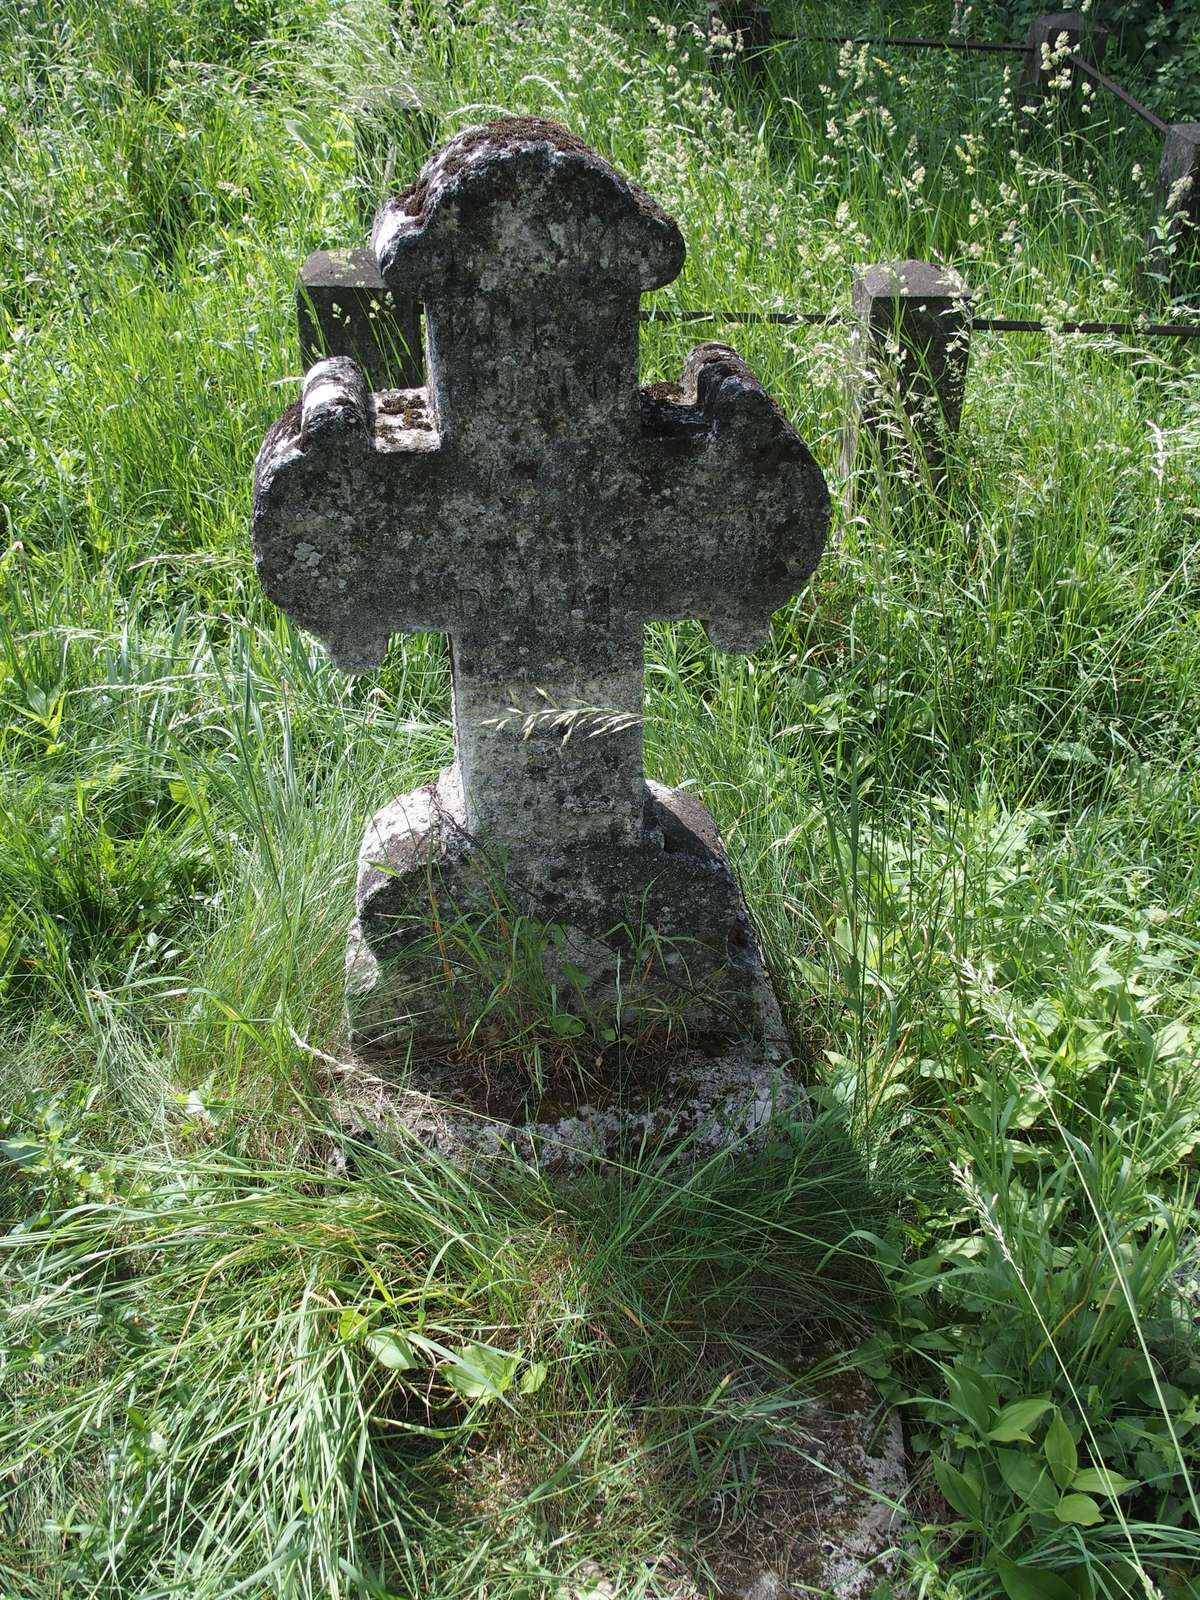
{"points": [[344, 308], [535, 504], [1048, 77], [908, 373], [1173, 242], [740, 26]]}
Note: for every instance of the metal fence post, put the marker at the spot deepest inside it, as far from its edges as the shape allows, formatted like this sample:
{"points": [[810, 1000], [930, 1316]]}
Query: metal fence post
{"points": [[911, 342]]}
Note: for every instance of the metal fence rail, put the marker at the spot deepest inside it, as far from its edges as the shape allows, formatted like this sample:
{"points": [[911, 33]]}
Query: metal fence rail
{"points": [[1114, 88], [897, 43], [996, 46], [1171, 255], [834, 319]]}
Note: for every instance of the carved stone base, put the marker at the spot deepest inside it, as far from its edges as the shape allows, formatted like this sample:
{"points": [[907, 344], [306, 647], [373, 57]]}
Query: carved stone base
{"points": [[652, 1010], [712, 1104], [659, 946]]}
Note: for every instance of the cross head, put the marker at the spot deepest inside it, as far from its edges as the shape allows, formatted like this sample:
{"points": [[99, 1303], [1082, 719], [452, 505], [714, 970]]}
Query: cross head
{"points": [[532, 501]]}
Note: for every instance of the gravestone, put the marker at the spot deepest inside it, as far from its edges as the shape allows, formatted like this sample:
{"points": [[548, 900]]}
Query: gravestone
{"points": [[1172, 256], [344, 308], [1048, 76], [910, 352], [740, 28], [540, 508]]}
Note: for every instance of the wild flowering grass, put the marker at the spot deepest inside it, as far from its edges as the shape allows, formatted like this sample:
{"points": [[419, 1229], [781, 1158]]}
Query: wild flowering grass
{"points": [[960, 784]]}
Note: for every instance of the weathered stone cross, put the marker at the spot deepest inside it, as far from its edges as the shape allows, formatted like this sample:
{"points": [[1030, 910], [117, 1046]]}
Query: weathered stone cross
{"points": [[536, 505]]}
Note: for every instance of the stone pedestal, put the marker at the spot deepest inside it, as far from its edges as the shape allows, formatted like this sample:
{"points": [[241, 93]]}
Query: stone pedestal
{"points": [[650, 960], [1173, 242], [909, 367], [344, 308]]}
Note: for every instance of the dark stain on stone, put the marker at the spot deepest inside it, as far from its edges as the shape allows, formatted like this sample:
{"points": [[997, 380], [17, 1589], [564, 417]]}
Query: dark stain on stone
{"points": [[406, 405], [505, 133], [500, 135]]}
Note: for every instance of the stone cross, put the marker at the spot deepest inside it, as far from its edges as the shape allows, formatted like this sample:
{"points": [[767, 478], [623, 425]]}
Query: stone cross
{"points": [[537, 506]]}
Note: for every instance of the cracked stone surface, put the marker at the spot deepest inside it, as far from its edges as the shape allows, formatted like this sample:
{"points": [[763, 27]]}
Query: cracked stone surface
{"points": [[539, 507]]}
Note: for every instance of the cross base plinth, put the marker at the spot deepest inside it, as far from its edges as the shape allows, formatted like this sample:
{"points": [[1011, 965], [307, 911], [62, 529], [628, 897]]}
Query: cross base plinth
{"points": [[652, 1013]]}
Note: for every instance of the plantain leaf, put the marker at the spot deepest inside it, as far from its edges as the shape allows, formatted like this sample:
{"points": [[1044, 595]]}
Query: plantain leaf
{"points": [[1026, 1475], [352, 1325], [533, 1377], [392, 1348], [1031, 1583], [481, 1372], [1060, 1450], [1015, 1421], [1079, 1509], [969, 1393]]}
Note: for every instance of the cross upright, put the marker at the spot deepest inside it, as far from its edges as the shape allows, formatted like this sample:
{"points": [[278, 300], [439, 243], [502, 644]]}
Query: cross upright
{"points": [[533, 503]]}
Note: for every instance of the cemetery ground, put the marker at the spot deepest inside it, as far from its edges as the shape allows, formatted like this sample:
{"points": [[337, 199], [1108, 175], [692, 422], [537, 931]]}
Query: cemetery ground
{"points": [[242, 1356]]}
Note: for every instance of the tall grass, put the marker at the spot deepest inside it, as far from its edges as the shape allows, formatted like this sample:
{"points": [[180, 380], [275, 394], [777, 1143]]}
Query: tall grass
{"points": [[960, 784]]}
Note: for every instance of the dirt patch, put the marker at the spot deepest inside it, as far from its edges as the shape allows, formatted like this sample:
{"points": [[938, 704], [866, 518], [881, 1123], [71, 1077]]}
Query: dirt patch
{"points": [[822, 1514]]}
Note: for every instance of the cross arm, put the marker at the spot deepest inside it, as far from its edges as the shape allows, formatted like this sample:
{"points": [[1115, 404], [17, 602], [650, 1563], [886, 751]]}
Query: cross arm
{"points": [[347, 515], [740, 508]]}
